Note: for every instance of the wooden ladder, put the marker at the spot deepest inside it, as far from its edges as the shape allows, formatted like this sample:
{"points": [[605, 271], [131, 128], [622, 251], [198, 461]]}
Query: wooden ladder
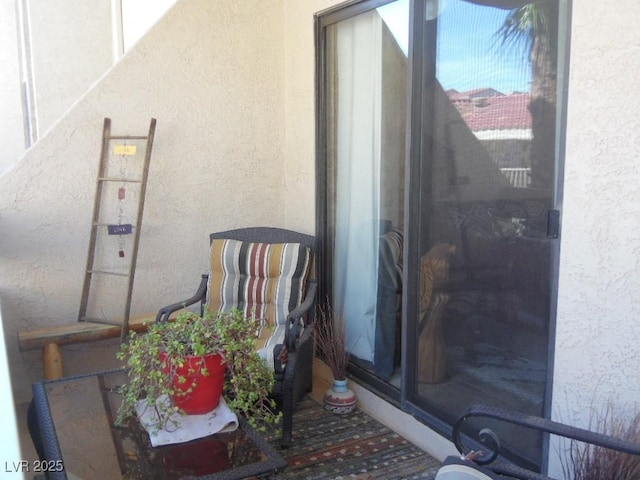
{"points": [[118, 147]]}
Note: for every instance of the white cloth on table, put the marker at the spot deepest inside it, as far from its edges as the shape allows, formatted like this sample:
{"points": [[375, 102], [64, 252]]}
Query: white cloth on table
{"points": [[184, 428]]}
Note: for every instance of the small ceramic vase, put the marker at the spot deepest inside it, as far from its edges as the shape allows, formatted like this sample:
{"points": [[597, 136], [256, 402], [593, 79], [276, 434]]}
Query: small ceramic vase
{"points": [[339, 399]]}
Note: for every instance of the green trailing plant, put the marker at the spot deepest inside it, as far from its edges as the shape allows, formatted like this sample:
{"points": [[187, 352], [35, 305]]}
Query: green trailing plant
{"points": [[248, 380]]}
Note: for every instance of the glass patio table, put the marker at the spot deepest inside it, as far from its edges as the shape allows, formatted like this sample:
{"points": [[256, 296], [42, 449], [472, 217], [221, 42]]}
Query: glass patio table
{"points": [[76, 421]]}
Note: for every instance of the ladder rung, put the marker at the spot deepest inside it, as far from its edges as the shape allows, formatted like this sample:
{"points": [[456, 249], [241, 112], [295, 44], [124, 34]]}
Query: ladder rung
{"points": [[115, 179], [127, 137], [104, 272], [101, 320]]}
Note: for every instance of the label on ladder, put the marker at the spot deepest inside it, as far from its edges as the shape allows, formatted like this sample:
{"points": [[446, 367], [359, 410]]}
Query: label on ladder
{"points": [[124, 229], [125, 149]]}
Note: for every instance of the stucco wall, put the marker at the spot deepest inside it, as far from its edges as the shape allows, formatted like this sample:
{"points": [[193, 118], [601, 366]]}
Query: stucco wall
{"points": [[11, 123], [598, 339], [299, 75], [212, 75], [70, 44], [71, 47]]}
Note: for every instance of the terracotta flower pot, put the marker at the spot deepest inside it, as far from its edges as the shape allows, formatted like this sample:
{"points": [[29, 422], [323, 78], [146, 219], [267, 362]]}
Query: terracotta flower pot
{"points": [[198, 393]]}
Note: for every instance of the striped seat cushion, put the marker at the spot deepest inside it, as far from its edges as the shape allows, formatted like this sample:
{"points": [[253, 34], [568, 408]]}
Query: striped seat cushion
{"points": [[261, 279]]}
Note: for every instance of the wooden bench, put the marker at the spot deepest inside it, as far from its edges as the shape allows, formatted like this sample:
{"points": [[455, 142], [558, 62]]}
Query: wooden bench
{"points": [[51, 338]]}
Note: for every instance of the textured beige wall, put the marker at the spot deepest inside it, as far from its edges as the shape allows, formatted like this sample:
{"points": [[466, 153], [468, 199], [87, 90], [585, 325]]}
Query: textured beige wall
{"points": [[11, 123], [598, 339], [212, 75], [299, 75], [71, 47]]}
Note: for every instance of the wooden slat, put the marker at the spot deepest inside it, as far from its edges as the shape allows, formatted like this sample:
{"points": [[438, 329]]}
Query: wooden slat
{"points": [[127, 137], [78, 332], [52, 362], [103, 272], [102, 321], [118, 179]]}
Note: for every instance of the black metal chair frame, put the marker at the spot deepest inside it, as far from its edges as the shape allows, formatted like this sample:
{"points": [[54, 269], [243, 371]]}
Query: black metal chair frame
{"points": [[297, 377], [491, 443]]}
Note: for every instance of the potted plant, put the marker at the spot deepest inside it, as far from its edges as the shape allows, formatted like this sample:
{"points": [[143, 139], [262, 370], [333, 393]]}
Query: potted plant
{"points": [[332, 342], [172, 361], [585, 461]]}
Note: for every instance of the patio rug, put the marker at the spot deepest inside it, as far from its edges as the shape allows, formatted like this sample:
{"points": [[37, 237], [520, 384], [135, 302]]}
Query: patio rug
{"points": [[329, 446]]}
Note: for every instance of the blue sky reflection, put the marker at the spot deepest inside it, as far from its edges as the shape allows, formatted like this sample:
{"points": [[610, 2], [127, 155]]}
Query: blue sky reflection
{"points": [[470, 55]]}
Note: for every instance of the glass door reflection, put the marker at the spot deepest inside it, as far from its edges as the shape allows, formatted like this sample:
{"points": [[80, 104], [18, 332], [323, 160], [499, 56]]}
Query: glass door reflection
{"points": [[486, 189], [366, 85]]}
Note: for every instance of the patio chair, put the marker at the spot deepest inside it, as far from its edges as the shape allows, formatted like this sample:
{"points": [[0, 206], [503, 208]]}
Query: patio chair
{"points": [[485, 465], [266, 271]]}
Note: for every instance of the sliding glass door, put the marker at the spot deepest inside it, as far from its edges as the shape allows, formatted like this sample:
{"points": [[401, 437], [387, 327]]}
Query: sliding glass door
{"points": [[438, 155], [485, 208]]}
